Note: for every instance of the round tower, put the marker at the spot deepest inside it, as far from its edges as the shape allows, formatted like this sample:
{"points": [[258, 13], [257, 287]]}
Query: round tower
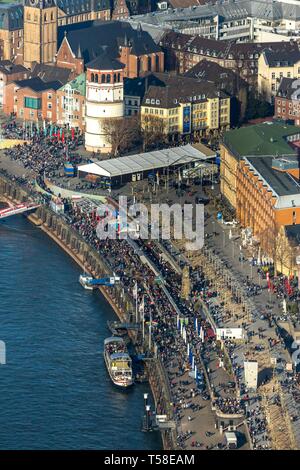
{"points": [[104, 100]]}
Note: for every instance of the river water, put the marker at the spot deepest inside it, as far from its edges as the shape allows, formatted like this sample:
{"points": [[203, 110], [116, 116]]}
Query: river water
{"points": [[55, 392]]}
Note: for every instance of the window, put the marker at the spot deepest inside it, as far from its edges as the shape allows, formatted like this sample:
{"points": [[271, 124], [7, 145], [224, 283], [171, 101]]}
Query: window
{"points": [[49, 105], [92, 77], [107, 78], [96, 78], [103, 78], [33, 103], [49, 96]]}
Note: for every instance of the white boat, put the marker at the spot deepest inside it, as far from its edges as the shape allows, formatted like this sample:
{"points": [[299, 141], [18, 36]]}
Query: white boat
{"points": [[118, 361], [89, 283], [85, 281]]}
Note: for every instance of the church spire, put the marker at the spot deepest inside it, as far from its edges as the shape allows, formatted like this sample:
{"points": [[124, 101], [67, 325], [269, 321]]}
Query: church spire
{"points": [[79, 54]]}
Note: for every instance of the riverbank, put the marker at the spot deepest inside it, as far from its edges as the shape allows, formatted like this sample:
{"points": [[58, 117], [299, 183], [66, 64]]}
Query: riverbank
{"points": [[154, 374], [79, 252]]}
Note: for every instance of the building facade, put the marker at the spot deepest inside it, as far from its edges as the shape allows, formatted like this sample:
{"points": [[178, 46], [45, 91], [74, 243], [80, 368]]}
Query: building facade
{"points": [[183, 52], [233, 20], [287, 250], [272, 67], [287, 100], [71, 103], [32, 99], [134, 48], [260, 177], [10, 72], [227, 81], [120, 10], [104, 101], [184, 106], [11, 32], [40, 31]]}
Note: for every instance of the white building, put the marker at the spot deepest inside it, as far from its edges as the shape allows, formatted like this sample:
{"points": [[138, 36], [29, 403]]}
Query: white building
{"points": [[229, 333], [104, 100], [251, 374]]}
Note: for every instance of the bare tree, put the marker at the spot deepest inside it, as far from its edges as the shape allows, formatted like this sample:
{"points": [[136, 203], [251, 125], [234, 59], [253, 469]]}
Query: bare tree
{"points": [[153, 131], [121, 133], [267, 240], [284, 252]]}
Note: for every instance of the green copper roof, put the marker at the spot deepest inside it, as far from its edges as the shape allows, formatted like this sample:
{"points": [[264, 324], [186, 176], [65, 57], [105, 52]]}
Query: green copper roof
{"points": [[78, 84], [268, 138]]}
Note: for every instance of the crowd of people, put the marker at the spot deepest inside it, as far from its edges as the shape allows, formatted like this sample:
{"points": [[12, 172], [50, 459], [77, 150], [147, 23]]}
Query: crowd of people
{"points": [[44, 151], [46, 155]]}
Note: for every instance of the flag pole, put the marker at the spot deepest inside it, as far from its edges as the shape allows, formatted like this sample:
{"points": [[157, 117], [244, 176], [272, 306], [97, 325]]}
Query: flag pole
{"points": [[136, 302], [143, 319]]}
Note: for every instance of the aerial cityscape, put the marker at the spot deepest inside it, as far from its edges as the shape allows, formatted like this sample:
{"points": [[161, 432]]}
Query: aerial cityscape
{"points": [[150, 226]]}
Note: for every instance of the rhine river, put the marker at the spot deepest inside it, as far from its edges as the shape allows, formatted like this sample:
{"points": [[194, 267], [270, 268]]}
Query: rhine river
{"points": [[55, 392]]}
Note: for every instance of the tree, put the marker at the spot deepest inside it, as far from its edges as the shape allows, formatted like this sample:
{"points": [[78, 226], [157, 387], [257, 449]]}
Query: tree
{"points": [[153, 131], [268, 239], [284, 252], [121, 133], [258, 108]]}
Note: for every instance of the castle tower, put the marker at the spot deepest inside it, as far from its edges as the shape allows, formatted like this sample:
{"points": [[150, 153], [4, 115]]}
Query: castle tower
{"points": [[104, 100], [40, 31]]}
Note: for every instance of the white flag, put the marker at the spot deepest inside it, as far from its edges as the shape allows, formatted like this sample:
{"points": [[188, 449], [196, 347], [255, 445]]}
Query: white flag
{"points": [[142, 305], [135, 291]]}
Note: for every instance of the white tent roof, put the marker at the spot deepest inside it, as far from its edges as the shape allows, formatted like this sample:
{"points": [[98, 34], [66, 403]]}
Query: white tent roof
{"points": [[144, 161]]}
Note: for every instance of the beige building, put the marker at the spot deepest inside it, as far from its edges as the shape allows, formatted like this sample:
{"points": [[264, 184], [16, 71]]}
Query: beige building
{"points": [[272, 67], [40, 31], [11, 32], [185, 106]]}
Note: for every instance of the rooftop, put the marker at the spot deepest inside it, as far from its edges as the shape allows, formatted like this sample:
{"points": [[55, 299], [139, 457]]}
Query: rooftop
{"points": [[269, 138], [7, 67], [144, 161], [281, 59], [78, 84], [224, 49], [49, 73], [91, 36], [105, 62], [175, 89], [280, 182], [36, 84]]}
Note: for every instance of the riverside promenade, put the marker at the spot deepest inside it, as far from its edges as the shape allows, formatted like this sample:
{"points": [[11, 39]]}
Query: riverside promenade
{"points": [[94, 264], [173, 388]]}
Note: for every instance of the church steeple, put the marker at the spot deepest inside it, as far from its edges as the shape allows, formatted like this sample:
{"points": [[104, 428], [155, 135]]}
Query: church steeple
{"points": [[40, 31]]}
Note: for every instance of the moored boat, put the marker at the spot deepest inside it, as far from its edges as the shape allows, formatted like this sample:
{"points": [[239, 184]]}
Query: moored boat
{"points": [[118, 361]]}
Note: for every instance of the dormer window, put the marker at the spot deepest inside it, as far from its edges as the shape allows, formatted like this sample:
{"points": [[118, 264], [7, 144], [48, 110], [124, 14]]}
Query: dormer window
{"points": [[157, 102]]}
